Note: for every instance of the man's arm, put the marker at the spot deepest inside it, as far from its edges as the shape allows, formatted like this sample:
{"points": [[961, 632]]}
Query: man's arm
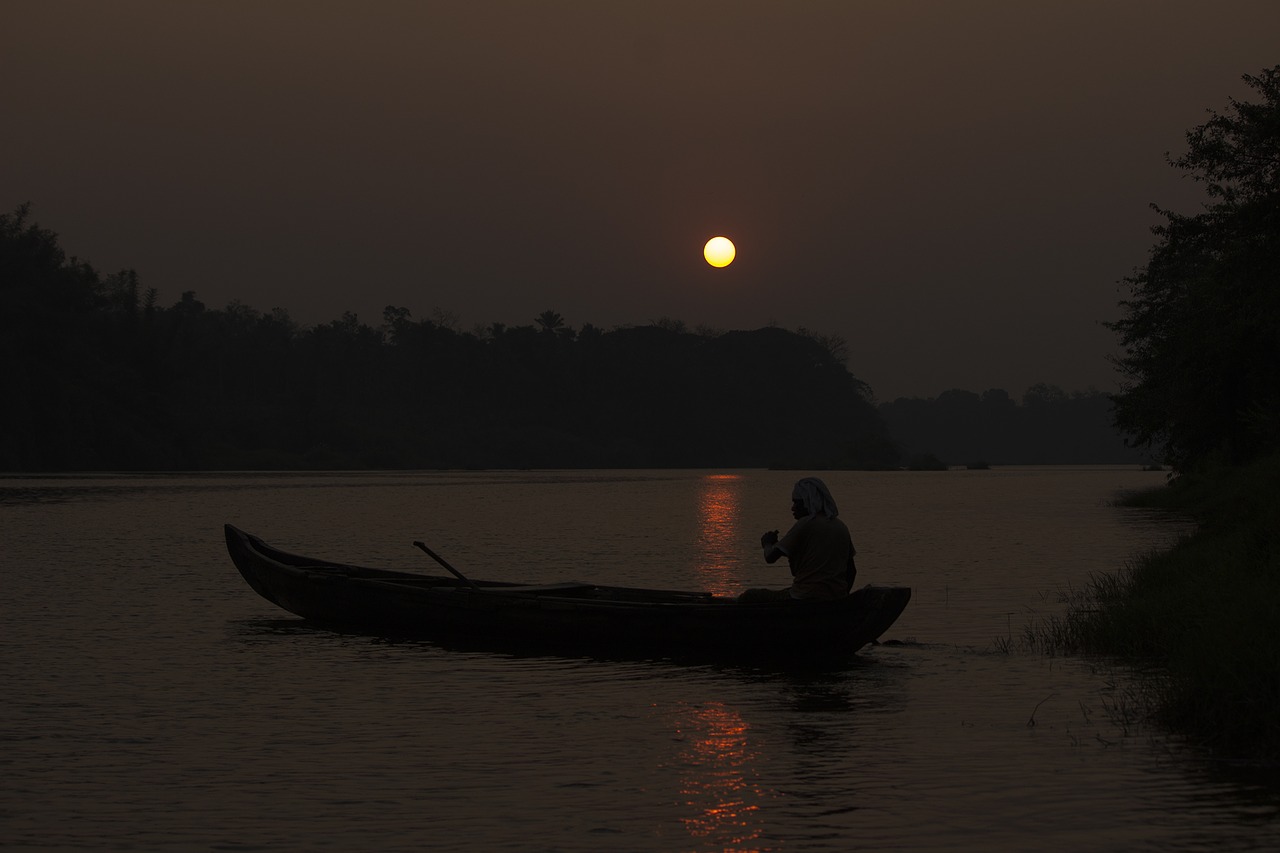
{"points": [[769, 542]]}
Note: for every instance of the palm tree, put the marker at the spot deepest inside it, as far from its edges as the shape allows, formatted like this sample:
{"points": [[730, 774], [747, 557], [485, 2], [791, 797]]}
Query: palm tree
{"points": [[550, 321]]}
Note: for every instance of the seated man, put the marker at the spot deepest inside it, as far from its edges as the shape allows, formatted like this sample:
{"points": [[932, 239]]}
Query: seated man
{"points": [[818, 547]]}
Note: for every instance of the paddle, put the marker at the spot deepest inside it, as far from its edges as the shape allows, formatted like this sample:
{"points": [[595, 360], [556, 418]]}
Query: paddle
{"points": [[441, 560]]}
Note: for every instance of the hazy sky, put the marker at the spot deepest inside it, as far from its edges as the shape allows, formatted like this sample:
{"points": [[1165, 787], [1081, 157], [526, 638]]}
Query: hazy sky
{"points": [[954, 187]]}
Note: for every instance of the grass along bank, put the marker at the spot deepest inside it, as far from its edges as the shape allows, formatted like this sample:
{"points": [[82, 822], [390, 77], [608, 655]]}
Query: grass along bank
{"points": [[1202, 619]]}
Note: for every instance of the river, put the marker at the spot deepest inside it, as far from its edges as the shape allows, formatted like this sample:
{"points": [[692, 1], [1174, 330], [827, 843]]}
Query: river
{"points": [[152, 701]]}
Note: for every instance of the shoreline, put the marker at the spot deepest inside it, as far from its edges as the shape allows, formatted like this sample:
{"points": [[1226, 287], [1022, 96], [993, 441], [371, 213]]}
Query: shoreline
{"points": [[1196, 621]]}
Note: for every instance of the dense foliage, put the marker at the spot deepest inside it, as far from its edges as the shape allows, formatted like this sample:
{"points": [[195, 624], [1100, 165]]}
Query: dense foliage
{"points": [[1048, 427], [1201, 337], [97, 375], [1201, 329]]}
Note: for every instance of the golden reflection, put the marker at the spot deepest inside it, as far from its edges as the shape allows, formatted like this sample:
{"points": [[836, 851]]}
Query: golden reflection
{"points": [[719, 533], [718, 784]]}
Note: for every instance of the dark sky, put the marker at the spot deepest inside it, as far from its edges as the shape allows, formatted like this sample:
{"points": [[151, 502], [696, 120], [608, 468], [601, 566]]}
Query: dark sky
{"points": [[954, 187]]}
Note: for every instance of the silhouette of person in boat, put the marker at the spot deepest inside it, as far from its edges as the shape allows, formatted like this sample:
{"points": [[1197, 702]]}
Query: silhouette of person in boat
{"points": [[818, 548]]}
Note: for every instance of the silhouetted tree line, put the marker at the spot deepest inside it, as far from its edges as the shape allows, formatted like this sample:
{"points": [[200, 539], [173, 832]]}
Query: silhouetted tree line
{"points": [[98, 375], [1048, 427], [1201, 329]]}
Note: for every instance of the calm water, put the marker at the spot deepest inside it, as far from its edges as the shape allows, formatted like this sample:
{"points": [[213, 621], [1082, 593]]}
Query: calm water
{"points": [[152, 701]]}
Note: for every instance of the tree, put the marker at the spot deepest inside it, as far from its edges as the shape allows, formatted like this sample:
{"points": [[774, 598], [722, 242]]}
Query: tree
{"points": [[1200, 333], [550, 321]]}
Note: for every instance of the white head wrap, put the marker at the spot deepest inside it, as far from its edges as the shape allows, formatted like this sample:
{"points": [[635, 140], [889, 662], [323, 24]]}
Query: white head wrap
{"points": [[814, 496]]}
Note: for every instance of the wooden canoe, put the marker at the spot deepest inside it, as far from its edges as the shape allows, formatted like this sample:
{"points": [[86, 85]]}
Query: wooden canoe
{"points": [[575, 616]]}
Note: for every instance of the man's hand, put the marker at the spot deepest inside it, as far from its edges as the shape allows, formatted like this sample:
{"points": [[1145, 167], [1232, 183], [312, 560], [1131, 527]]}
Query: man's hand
{"points": [[769, 539]]}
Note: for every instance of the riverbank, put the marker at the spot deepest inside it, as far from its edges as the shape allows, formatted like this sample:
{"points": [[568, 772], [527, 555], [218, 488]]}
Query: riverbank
{"points": [[1200, 617]]}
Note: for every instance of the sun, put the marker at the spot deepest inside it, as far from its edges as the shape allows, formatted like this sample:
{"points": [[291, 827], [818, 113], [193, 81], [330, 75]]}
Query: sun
{"points": [[719, 251]]}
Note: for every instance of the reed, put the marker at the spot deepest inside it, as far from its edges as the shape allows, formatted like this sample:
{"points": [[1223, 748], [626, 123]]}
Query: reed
{"points": [[1202, 619]]}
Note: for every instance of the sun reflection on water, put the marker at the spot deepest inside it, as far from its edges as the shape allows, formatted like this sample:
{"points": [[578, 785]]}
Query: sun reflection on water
{"points": [[718, 783], [719, 533]]}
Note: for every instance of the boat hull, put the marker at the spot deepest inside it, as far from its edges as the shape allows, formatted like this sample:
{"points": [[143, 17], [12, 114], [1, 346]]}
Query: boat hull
{"points": [[576, 616]]}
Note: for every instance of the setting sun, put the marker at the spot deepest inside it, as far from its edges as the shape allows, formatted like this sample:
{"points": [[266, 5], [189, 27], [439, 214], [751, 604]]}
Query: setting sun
{"points": [[719, 251]]}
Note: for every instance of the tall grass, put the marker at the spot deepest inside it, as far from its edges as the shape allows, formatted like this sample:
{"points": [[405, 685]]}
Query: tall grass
{"points": [[1203, 617]]}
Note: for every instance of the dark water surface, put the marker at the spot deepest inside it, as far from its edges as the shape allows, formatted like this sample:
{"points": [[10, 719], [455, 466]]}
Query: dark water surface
{"points": [[152, 701]]}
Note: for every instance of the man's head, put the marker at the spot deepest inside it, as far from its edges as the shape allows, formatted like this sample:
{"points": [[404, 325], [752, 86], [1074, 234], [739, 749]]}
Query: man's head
{"points": [[810, 498]]}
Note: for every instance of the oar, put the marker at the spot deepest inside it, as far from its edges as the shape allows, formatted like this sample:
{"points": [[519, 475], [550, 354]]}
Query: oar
{"points": [[441, 560]]}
